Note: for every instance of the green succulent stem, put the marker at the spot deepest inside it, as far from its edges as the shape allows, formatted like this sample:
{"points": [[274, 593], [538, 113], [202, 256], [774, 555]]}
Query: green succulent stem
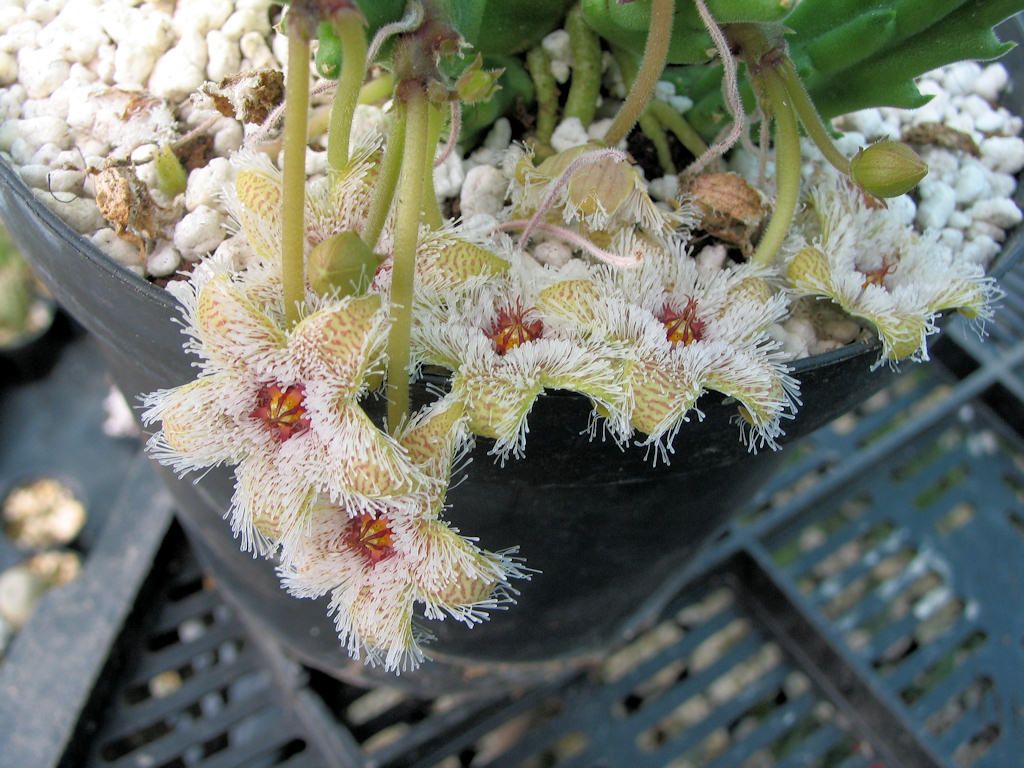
{"points": [[349, 26], [787, 166], [415, 159], [539, 65], [431, 206], [655, 54], [679, 126], [651, 127], [809, 117], [586, 69], [387, 180], [293, 225], [377, 90]]}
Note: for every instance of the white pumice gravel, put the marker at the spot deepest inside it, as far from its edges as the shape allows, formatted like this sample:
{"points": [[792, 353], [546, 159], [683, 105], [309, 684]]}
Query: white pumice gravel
{"points": [[568, 134], [483, 191], [199, 233]]}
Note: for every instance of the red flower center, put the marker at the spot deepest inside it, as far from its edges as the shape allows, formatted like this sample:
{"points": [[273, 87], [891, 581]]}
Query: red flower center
{"points": [[683, 327], [877, 276], [514, 327], [371, 536], [282, 411]]}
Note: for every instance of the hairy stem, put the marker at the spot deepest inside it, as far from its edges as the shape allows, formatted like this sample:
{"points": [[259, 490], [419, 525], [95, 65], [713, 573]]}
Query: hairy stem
{"points": [[809, 117], [586, 69], [730, 89], [349, 27], [431, 206], [410, 200], [655, 54], [574, 239], [787, 168], [293, 225], [387, 180]]}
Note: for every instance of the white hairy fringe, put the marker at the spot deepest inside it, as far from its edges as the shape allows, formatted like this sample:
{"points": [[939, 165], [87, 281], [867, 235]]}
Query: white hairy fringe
{"points": [[929, 277]]}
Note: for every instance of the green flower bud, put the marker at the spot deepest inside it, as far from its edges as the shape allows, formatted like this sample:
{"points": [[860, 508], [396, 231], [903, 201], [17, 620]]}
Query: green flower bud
{"points": [[342, 265], [477, 84], [328, 52], [887, 168], [170, 176]]}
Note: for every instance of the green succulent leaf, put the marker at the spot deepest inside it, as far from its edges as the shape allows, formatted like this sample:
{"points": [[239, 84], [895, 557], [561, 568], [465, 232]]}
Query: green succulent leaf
{"points": [[857, 54], [625, 25]]}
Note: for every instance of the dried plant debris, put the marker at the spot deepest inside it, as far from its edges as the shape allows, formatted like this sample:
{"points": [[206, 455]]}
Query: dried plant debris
{"points": [[248, 96], [43, 513], [940, 135], [731, 209], [124, 201]]}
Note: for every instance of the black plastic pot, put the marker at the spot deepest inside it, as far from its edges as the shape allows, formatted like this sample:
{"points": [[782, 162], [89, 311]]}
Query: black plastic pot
{"points": [[610, 534]]}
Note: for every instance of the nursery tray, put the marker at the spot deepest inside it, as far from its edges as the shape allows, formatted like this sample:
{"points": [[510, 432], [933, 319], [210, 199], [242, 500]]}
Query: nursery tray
{"points": [[863, 612]]}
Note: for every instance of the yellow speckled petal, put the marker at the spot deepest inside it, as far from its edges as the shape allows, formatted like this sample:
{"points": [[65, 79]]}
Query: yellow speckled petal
{"points": [[260, 196], [662, 397], [233, 330], [572, 300], [341, 340], [497, 407], [195, 424], [453, 572], [461, 260], [371, 464], [808, 271], [433, 438]]}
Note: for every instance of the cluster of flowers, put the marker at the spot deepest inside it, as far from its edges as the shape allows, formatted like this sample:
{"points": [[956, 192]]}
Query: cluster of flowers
{"points": [[634, 325]]}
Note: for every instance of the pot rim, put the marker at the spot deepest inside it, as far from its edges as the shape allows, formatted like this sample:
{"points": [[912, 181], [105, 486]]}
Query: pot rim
{"points": [[1011, 254]]}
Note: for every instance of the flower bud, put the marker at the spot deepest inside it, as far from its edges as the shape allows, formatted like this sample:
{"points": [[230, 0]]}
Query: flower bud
{"points": [[170, 175], [887, 168], [342, 265], [477, 84]]}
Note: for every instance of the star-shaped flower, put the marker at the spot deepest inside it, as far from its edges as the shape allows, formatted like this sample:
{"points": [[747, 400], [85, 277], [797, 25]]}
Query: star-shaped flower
{"points": [[678, 332], [280, 403], [376, 567], [503, 356], [877, 268]]}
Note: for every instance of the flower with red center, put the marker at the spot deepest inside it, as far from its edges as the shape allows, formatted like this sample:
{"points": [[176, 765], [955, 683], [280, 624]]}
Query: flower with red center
{"points": [[877, 276], [514, 327], [371, 536], [282, 411], [683, 327], [263, 383]]}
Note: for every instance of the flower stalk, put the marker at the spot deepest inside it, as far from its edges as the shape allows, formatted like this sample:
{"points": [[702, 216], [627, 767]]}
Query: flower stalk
{"points": [[387, 180], [348, 25], [415, 159], [655, 55], [293, 227], [787, 167]]}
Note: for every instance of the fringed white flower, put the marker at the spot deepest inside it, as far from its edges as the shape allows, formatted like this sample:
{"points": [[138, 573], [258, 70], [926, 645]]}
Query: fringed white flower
{"points": [[596, 189], [280, 403], [878, 269], [679, 332], [448, 260], [496, 342], [334, 203], [377, 567]]}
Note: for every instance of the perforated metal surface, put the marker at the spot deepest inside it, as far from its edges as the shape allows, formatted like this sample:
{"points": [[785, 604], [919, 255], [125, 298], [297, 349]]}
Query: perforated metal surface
{"points": [[194, 692]]}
